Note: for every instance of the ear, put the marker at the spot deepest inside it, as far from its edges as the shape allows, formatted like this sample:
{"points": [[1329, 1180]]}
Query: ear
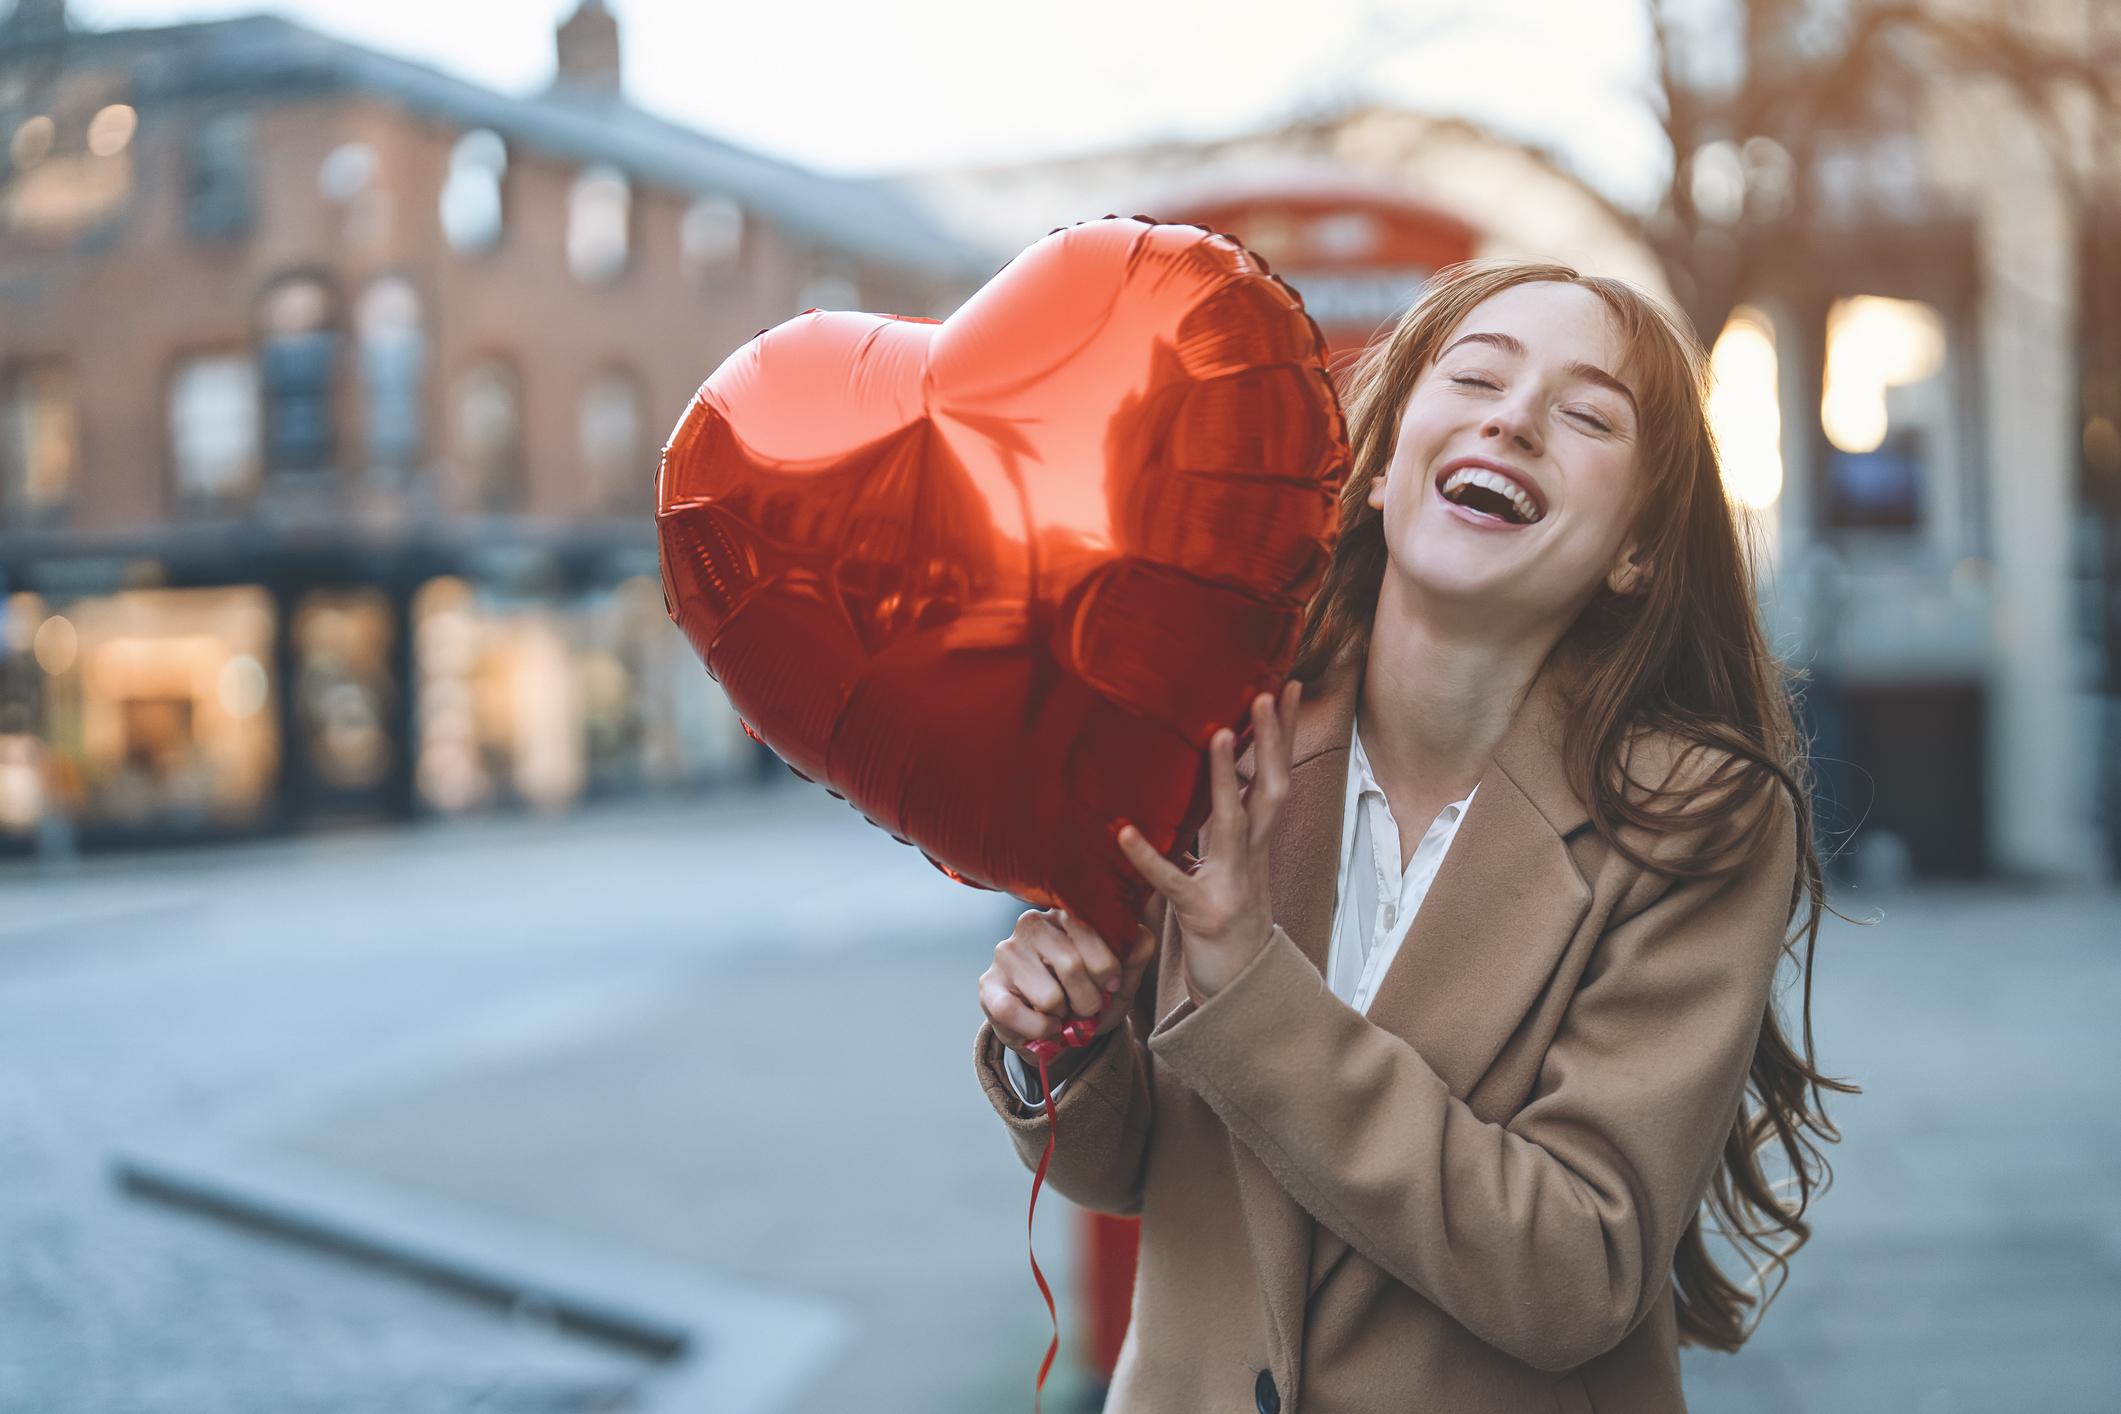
{"points": [[1630, 573], [1376, 494]]}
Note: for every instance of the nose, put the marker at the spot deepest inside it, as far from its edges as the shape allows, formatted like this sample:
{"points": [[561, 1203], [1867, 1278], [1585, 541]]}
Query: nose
{"points": [[1507, 423]]}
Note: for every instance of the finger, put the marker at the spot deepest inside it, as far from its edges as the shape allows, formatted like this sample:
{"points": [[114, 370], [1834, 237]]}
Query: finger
{"points": [[1029, 977], [1002, 1032], [1014, 1023], [1097, 954], [1062, 958], [1271, 783], [1163, 876], [1226, 816]]}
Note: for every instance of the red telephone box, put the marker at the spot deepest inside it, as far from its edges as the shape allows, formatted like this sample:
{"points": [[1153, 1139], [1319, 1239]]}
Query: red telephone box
{"points": [[1359, 258]]}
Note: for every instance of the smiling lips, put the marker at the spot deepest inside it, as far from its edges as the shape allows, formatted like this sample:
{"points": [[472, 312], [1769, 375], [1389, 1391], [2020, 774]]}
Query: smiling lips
{"points": [[1488, 495]]}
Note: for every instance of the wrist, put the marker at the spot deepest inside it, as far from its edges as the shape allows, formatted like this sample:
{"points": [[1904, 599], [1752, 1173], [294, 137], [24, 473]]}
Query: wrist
{"points": [[1214, 966]]}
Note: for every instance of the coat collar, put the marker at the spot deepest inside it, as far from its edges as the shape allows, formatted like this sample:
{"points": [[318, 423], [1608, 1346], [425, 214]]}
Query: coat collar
{"points": [[1529, 751]]}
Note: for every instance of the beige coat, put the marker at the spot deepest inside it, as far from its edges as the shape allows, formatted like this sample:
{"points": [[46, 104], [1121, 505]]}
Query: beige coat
{"points": [[1467, 1200]]}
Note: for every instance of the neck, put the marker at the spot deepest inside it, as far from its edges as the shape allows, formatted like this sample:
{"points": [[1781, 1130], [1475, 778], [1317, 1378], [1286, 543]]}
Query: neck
{"points": [[1437, 697]]}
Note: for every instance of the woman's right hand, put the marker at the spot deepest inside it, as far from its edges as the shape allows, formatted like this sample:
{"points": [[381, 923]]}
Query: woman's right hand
{"points": [[1053, 968]]}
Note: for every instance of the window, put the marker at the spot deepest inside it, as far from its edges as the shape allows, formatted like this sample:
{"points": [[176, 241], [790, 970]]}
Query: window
{"points": [[711, 237], [486, 433], [393, 356], [296, 359], [218, 199], [69, 172], [42, 435], [608, 431], [213, 427], [598, 210], [346, 172], [1884, 408], [471, 195]]}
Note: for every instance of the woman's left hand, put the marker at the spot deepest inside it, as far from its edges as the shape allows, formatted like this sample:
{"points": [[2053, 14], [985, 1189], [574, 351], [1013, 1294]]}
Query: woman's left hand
{"points": [[1224, 914]]}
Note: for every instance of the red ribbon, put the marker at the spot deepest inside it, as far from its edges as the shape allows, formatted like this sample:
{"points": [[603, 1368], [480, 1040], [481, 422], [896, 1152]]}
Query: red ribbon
{"points": [[1080, 1032]]}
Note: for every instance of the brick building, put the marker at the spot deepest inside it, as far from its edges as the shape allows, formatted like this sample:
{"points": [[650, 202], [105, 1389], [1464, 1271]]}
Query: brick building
{"points": [[331, 390]]}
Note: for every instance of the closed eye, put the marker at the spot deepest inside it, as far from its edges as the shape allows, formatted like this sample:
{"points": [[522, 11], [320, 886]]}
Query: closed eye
{"points": [[1596, 421]]}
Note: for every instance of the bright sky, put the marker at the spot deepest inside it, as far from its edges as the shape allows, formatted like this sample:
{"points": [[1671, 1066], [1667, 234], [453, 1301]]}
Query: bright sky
{"points": [[857, 86]]}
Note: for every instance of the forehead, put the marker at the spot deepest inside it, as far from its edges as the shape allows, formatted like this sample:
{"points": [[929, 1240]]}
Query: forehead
{"points": [[1554, 321]]}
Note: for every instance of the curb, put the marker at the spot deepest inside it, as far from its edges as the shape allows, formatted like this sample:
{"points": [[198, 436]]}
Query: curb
{"points": [[720, 1345]]}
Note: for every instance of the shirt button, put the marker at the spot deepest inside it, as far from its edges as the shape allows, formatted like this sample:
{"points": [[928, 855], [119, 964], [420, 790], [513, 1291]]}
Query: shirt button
{"points": [[1265, 1397]]}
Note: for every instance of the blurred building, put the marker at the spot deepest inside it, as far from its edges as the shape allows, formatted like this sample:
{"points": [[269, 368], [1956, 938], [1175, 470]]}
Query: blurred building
{"points": [[1941, 485], [331, 394], [1354, 210]]}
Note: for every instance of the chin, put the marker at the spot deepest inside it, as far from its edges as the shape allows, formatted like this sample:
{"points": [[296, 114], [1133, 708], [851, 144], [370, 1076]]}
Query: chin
{"points": [[1488, 583]]}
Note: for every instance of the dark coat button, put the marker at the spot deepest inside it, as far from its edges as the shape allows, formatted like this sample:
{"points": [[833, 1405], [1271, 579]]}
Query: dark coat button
{"points": [[1265, 1395]]}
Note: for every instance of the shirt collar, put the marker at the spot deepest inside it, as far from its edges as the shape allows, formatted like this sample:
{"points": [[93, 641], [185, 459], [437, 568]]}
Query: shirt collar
{"points": [[1362, 780]]}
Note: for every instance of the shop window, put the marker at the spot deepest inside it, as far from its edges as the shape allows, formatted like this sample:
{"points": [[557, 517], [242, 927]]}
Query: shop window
{"points": [[296, 360], [167, 716], [472, 211], [42, 436], [598, 215], [345, 695], [610, 444], [486, 416], [1745, 408], [711, 237], [500, 716], [393, 358], [213, 427], [1882, 408], [219, 200]]}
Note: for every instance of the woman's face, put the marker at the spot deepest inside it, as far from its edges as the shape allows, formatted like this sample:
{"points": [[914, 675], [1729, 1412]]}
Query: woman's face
{"points": [[1527, 383]]}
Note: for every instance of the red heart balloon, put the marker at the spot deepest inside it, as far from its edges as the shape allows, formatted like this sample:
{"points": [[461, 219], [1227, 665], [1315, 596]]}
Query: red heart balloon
{"points": [[996, 580]]}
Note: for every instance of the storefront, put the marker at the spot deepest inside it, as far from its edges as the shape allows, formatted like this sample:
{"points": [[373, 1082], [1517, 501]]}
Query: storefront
{"points": [[339, 688], [147, 710], [532, 702]]}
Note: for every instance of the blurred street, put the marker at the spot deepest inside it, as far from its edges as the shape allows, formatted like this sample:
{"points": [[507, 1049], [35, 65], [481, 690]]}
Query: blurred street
{"points": [[733, 1035]]}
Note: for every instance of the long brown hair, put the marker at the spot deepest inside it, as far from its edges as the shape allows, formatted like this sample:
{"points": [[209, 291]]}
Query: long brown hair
{"points": [[1684, 655]]}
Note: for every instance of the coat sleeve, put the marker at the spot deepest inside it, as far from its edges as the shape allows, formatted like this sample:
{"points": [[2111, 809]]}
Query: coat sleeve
{"points": [[1104, 1110], [1551, 1236]]}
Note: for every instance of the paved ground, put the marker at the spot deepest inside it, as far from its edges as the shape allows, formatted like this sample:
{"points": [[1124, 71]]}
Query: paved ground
{"points": [[656, 1028], [1968, 1257], [621, 957]]}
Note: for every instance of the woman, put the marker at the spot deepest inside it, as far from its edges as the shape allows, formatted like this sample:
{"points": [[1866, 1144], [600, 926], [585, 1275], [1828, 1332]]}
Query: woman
{"points": [[1425, 1119]]}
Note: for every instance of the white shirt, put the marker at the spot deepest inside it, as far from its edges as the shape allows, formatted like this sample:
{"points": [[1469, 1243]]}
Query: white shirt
{"points": [[1376, 900]]}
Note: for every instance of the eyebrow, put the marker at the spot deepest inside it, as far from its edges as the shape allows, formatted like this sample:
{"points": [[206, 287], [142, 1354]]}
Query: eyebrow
{"points": [[1589, 372]]}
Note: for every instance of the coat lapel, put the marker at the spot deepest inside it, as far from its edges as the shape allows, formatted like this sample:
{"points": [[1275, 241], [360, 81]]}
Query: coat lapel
{"points": [[1501, 910]]}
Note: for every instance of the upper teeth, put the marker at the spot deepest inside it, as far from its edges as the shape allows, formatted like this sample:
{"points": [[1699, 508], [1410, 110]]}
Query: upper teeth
{"points": [[1494, 481]]}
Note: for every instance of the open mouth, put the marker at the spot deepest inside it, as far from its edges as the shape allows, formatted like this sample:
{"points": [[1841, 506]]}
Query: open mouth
{"points": [[1487, 498]]}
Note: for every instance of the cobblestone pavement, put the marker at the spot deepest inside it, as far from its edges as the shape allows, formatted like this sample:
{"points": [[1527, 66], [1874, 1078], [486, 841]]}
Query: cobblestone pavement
{"points": [[662, 1064]]}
